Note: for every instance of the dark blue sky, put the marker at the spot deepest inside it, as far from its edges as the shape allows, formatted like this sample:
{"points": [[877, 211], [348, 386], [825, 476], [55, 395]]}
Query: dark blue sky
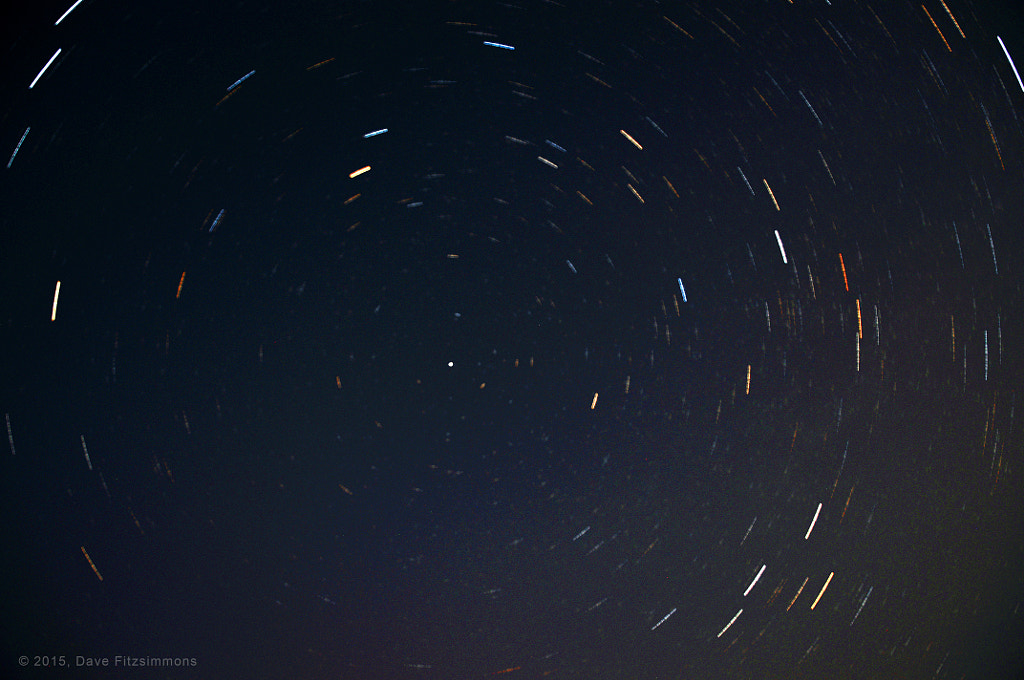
{"points": [[612, 319]]}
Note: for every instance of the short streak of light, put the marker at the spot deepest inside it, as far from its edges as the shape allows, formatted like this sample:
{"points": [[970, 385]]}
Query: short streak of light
{"points": [[103, 482], [181, 283], [965, 366], [241, 80], [677, 27], [827, 581], [10, 434], [778, 238], [1008, 58], [682, 288], [958, 248], [361, 171], [217, 220], [754, 582], [847, 504], [506, 670], [992, 134], [571, 267], [936, 27], [813, 521], [20, 142], [799, 590], [748, 378], [65, 15], [857, 341], [811, 108], [814, 645], [664, 618], [842, 266], [545, 161], [752, 522], [498, 45], [827, 168], [86, 451], [765, 101], [986, 356], [862, 603], [955, 22], [89, 560], [56, 294], [593, 404], [631, 140], [319, 64], [999, 335], [43, 70], [375, 133], [878, 337], [655, 126], [728, 625], [746, 182], [860, 325], [992, 245], [671, 188], [772, 194], [582, 531]]}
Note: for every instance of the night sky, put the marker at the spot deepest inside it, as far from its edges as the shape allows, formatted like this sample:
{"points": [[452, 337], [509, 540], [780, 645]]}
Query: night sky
{"points": [[539, 339]]}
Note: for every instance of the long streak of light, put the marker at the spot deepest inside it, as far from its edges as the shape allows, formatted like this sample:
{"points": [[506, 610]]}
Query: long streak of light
{"points": [[955, 22], [56, 294], [771, 193], [862, 603], [754, 582], [18, 148], [1012, 65], [54, 57], [664, 618], [801, 589], [781, 248], [827, 581], [65, 15], [89, 560], [728, 625], [813, 521]]}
